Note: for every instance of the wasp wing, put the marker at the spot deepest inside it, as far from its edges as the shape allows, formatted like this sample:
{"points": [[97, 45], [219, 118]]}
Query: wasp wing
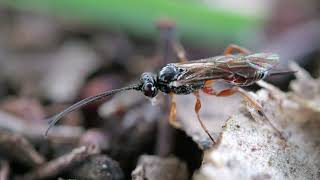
{"points": [[247, 66], [263, 61], [204, 69], [224, 67]]}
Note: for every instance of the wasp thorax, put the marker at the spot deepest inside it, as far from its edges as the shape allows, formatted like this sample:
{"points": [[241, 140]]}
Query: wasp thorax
{"points": [[149, 85], [168, 73]]}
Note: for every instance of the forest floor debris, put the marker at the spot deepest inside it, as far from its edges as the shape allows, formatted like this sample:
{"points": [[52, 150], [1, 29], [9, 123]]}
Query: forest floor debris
{"points": [[156, 168], [250, 149]]}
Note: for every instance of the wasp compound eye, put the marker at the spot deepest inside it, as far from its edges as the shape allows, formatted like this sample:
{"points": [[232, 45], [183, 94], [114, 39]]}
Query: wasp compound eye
{"points": [[150, 90]]}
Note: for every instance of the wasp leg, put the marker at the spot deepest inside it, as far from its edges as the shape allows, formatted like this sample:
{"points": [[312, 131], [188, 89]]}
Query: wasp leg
{"points": [[246, 96], [232, 48], [208, 88], [179, 50], [210, 91], [258, 107], [197, 108], [231, 91], [173, 113]]}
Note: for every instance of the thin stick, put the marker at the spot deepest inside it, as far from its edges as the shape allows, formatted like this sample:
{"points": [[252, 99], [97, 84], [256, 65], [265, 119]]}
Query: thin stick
{"points": [[4, 170], [56, 166], [165, 140], [54, 119], [20, 149], [284, 72]]}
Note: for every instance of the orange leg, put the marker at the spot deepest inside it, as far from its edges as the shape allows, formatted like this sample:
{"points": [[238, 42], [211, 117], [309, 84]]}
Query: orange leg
{"points": [[246, 96], [231, 91], [208, 88], [232, 48], [173, 113], [197, 108], [209, 91]]}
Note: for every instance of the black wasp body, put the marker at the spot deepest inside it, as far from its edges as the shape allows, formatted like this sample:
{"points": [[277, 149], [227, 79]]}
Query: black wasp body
{"points": [[186, 78], [169, 75], [165, 82]]}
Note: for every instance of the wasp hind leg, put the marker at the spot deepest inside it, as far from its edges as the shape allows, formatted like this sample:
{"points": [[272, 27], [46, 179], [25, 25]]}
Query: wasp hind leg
{"points": [[173, 113], [197, 108], [235, 48], [258, 107], [247, 98]]}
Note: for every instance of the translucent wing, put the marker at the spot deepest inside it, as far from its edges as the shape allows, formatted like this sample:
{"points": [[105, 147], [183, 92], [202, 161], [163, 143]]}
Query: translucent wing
{"points": [[247, 66], [204, 69], [223, 67], [263, 61]]}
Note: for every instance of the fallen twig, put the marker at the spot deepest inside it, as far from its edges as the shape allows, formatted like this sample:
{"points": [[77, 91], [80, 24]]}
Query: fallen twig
{"points": [[35, 132], [54, 167], [4, 170], [18, 148], [165, 134]]}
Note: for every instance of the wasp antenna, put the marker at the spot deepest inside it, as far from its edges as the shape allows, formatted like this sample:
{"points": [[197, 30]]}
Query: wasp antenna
{"points": [[54, 119]]}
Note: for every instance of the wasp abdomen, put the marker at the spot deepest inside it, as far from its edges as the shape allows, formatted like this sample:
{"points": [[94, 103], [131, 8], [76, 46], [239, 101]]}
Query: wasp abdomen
{"points": [[247, 81]]}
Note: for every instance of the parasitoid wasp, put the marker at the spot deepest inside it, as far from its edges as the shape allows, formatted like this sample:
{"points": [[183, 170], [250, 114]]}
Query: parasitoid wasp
{"points": [[189, 77]]}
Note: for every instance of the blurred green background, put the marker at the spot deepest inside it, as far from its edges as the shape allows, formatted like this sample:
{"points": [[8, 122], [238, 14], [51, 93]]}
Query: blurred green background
{"points": [[196, 22], [122, 30]]}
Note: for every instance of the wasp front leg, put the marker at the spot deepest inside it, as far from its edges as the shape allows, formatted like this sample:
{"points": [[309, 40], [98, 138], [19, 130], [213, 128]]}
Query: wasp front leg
{"points": [[173, 112], [232, 48], [197, 108]]}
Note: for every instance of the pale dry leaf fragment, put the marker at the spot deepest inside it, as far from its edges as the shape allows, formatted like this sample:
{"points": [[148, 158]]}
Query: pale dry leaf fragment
{"points": [[251, 150], [248, 149], [305, 89], [69, 68], [156, 168], [304, 84]]}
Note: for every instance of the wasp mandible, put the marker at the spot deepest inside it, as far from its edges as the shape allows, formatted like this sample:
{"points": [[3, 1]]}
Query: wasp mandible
{"points": [[236, 67]]}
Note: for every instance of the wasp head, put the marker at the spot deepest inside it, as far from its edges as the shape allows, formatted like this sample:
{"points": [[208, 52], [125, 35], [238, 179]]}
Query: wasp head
{"points": [[149, 84]]}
